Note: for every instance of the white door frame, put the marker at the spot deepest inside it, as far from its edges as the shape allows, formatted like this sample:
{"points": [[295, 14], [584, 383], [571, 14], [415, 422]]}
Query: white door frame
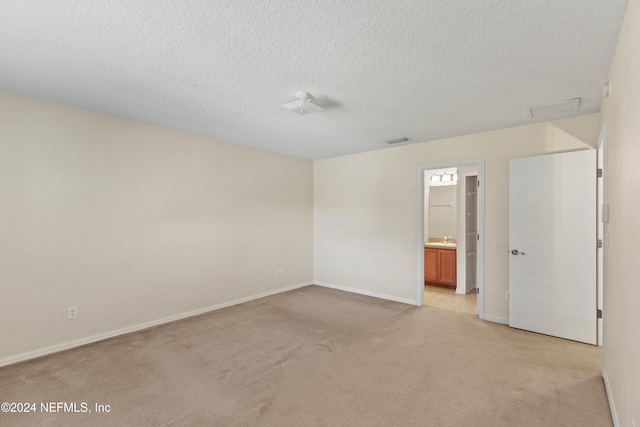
{"points": [[602, 215], [462, 258], [479, 163]]}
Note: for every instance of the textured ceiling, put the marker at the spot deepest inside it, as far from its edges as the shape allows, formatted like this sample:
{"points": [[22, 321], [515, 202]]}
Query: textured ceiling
{"points": [[424, 69]]}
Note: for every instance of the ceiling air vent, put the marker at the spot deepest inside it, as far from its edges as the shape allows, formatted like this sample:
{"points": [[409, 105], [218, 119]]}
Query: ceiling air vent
{"points": [[556, 108], [396, 140]]}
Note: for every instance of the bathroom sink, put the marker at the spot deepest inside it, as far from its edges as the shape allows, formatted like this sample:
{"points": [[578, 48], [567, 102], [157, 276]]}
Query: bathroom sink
{"points": [[440, 245]]}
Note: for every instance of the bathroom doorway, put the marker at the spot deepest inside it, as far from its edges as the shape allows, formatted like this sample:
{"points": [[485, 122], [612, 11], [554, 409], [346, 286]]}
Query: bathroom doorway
{"points": [[451, 249]]}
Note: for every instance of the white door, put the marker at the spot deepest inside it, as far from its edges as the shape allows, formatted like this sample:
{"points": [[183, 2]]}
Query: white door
{"points": [[552, 244]]}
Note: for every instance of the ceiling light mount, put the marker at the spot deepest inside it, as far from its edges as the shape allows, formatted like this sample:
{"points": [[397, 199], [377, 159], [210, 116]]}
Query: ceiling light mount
{"points": [[397, 140], [304, 104]]}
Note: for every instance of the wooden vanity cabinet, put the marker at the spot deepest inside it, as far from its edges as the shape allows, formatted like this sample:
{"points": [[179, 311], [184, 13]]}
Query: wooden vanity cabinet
{"points": [[430, 265], [440, 267]]}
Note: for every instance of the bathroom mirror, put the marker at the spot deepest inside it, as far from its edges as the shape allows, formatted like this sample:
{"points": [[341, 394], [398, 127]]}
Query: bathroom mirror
{"points": [[442, 211]]}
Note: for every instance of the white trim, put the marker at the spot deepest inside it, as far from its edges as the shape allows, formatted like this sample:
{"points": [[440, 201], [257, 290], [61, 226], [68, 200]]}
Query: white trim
{"points": [[602, 149], [462, 292], [603, 233], [420, 177], [367, 293], [420, 170], [497, 320], [110, 334], [612, 404], [461, 273]]}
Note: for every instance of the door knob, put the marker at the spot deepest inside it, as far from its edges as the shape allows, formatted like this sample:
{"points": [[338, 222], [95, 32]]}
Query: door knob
{"points": [[516, 252]]}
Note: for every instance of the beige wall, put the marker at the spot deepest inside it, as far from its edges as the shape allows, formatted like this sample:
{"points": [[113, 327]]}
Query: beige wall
{"points": [[621, 115], [365, 207], [132, 223]]}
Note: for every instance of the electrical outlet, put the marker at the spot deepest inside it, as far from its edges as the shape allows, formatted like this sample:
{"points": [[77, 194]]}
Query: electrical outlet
{"points": [[282, 271], [277, 272], [367, 274], [507, 296], [72, 312]]}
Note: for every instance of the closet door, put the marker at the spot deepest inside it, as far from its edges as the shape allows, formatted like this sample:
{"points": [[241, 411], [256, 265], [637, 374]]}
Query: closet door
{"points": [[552, 245]]}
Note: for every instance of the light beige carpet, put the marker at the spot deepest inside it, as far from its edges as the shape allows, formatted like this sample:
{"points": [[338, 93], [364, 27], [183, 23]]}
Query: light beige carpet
{"points": [[318, 357]]}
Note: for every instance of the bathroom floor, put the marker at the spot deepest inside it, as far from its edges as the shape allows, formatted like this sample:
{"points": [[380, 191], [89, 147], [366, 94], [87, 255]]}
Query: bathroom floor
{"points": [[448, 299]]}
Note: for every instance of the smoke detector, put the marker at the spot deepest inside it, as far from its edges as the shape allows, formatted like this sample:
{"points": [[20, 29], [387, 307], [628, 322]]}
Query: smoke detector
{"points": [[303, 105]]}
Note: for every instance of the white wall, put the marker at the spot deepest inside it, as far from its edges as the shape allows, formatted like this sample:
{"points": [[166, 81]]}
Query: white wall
{"points": [[132, 223], [365, 213], [442, 217], [621, 114]]}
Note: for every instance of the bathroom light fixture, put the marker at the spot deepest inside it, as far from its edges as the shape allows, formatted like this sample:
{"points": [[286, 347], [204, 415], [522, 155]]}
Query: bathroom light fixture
{"points": [[304, 105], [444, 177]]}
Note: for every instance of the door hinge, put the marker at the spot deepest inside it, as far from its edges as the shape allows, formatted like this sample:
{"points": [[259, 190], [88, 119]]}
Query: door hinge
{"points": [[477, 291], [599, 243], [478, 184], [478, 237], [599, 313], [599, 173]]}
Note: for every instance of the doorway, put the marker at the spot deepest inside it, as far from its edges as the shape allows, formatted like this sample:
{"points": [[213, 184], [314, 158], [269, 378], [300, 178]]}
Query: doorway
{"points": [[468, 237]]}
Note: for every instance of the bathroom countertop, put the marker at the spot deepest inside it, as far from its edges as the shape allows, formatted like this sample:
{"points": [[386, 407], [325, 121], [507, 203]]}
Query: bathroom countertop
{"points": [[440, 245]]}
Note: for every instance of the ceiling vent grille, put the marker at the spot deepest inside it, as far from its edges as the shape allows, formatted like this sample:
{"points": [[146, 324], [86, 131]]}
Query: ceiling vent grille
{"points": [[396, 140], [561, 107]]}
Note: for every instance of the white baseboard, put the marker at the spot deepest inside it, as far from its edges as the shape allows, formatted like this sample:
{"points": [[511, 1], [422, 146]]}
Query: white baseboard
{"points": [[612, 404], [464, 291], [110, 334], [367, 293], [497, 320]]}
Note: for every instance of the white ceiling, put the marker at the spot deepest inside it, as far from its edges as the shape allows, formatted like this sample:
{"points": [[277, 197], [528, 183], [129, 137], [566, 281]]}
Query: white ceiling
{"points": [[424, 69]]}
